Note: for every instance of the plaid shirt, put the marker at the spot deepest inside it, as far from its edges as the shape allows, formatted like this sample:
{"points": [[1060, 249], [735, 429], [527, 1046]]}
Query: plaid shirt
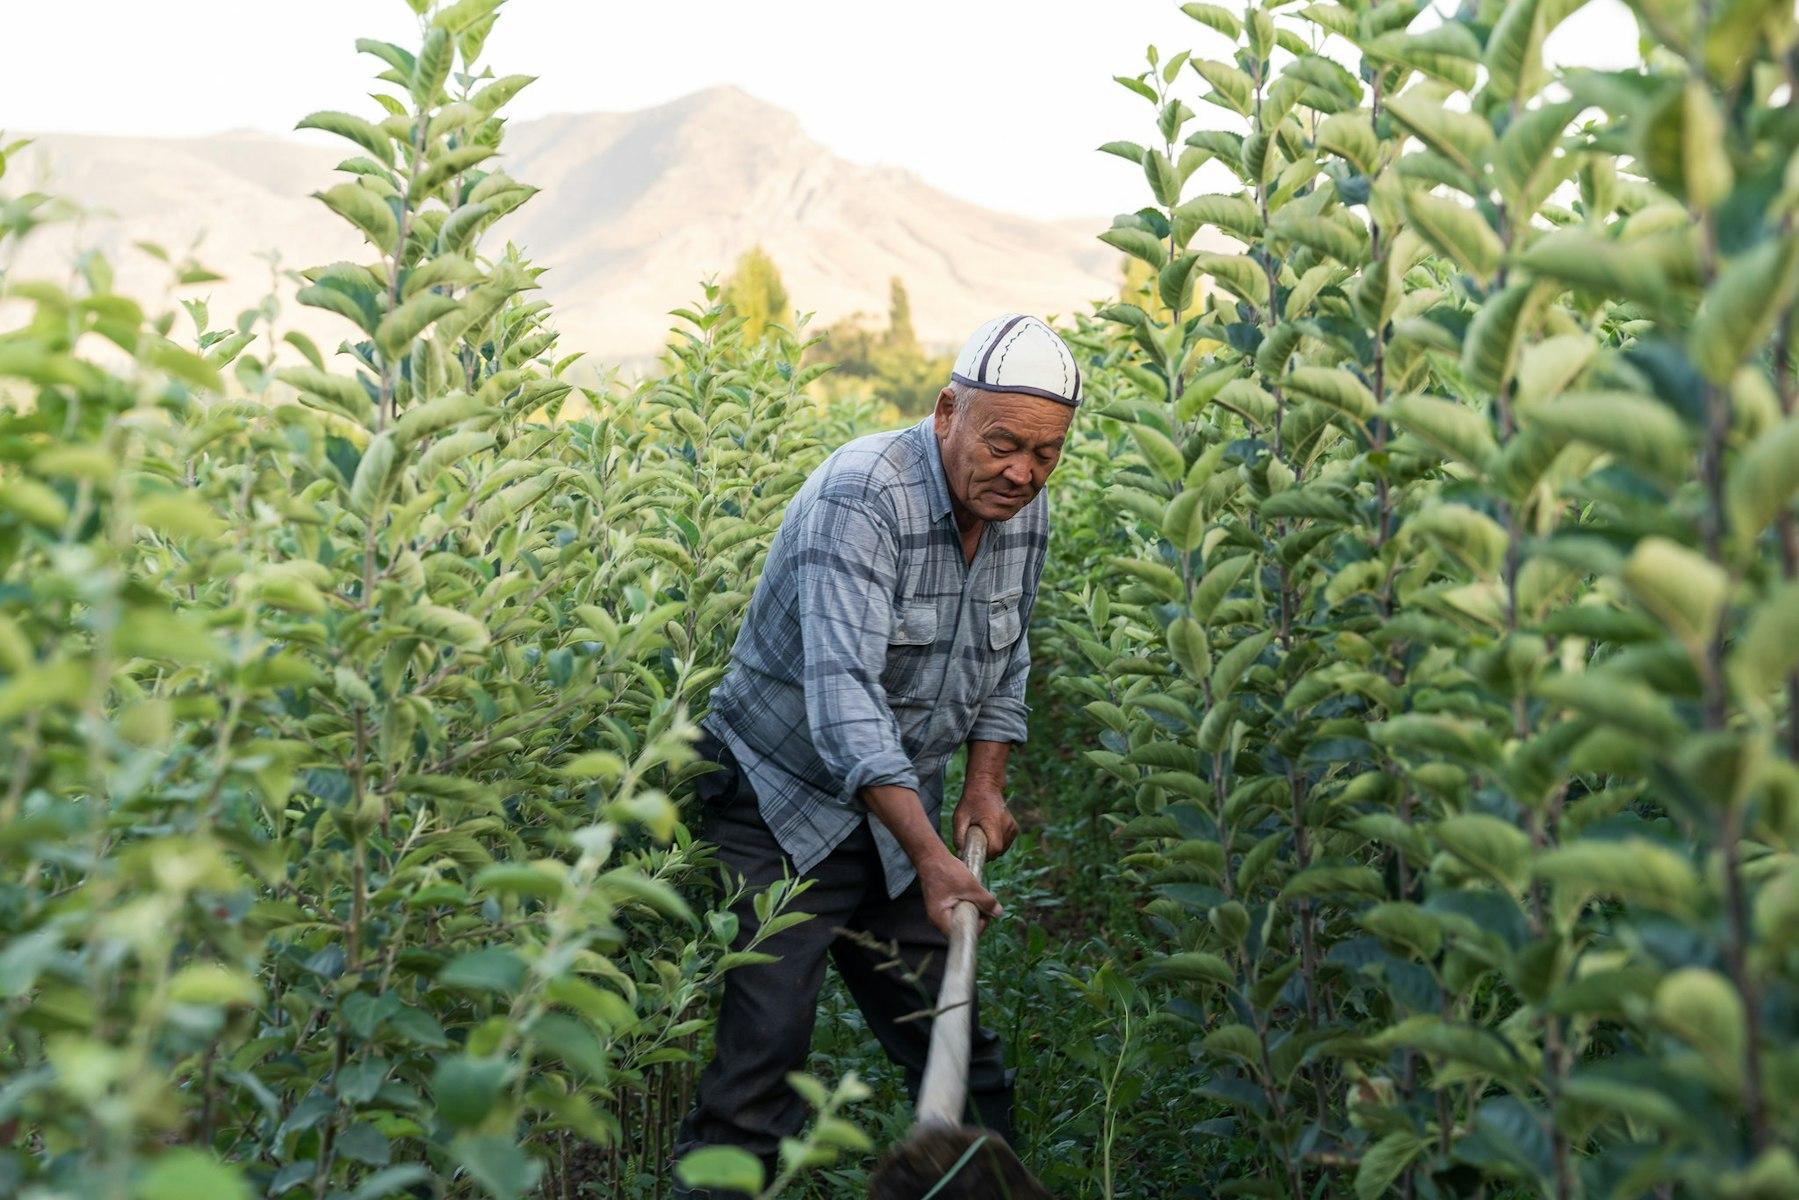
{"points": [[872, 648]]}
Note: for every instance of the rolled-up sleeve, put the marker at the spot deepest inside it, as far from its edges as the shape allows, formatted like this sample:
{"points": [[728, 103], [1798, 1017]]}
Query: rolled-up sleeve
{"points": [[846, 565]]}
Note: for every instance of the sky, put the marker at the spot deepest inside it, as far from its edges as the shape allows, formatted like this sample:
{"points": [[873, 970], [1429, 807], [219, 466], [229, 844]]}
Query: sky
{"points": [[1002, 102]]}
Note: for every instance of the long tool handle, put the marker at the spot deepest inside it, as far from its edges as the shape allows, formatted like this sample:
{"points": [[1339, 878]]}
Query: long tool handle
{"points": [[945, 1085]]}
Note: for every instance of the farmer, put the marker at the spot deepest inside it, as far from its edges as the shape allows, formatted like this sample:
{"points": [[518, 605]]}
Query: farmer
{"points": [[887, 629]]}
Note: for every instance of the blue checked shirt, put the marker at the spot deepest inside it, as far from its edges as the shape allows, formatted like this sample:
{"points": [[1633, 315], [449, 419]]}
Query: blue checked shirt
{"points": [[872, 648]]}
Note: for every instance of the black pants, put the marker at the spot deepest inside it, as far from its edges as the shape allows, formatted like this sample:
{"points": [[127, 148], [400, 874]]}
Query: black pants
{"points": [[765, 1019]]}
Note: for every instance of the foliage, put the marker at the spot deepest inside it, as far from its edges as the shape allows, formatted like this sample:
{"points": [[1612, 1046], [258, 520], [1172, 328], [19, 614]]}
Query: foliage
{"points": [[755, 293], [1446, 679], [1427, 575], [344, 699], [888, 365]]}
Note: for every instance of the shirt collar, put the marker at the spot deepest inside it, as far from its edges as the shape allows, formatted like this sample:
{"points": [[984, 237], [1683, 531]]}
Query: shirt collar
{"points": [[926, 432]]}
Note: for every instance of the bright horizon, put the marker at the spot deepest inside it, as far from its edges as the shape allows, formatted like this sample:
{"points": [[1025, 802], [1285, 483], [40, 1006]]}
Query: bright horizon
{"points": [[1001, 102]]}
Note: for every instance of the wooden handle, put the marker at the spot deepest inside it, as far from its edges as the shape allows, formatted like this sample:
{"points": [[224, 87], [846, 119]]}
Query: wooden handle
{"points": [[945, 1086]]}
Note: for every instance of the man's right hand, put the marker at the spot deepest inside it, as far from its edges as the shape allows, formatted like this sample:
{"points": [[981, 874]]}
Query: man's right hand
{"points": [[946, 883]]}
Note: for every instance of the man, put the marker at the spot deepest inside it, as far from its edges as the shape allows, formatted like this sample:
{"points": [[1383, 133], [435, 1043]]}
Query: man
{"points": [[888, 629]]}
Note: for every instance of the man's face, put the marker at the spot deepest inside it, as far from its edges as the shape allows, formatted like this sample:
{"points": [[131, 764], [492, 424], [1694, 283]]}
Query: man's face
{"points": [[998, 448]]}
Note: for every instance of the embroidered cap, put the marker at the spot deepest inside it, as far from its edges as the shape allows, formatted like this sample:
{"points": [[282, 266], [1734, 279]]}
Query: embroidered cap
{"points": [[1019, 353]]}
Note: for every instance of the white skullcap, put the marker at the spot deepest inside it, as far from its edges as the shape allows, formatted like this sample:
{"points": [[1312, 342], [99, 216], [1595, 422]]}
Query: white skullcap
{"points": [[1019, 353]]}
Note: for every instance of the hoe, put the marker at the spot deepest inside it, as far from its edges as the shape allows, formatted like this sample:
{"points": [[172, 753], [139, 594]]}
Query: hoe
{"points": [[943, 1159]]}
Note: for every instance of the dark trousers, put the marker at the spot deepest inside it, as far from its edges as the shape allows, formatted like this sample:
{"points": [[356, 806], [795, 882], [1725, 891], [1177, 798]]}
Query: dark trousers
{"points": [[766, 1016]]}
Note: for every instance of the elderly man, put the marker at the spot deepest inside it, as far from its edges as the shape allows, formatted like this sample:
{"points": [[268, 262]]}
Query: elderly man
{"points": [[888, 629]]}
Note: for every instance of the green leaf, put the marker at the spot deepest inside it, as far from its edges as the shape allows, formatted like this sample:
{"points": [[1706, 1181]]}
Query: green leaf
{"points": [[498, 1164], [1705, 1011], [1384, 1162], [519, 879], [434, 416], [1330, 880], [1496, 333], [1184, 524], [364, 133], [1448, 52], [1683, 146], [183, 1174], [449, 163], [459, 629], [1164, 180], [1235, 661], [1473, 537], [1157, 576], [490, 969], [56, 684], [493, 97], [33, 502], [183, 364], [1174, 283], [1763, 480], [1461, 137], [432, 68], [1738, 313], [1333, 386], [1482, 1049], [1525, 165], [724, 1168], [1643, 432], [334, 393], [1683, 588], [1220, 577], [1454, 429], [1187, 645], [399, 327], [1634, 870], [1514, 50], [365, 210], [1216, 17], [1603, 266], [1406, 925], [1163, 456], [1629, 704], [374, 474], [1138, 243], [1496, 848], [1343, 238], [1193, 966], [457, 18], [1768, 650], [1457, 230]]}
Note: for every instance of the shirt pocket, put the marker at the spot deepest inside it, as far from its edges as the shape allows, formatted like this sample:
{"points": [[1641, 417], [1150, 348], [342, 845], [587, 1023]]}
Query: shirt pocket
{"points": [[914, 624], [1003, 622], [911, 649]]}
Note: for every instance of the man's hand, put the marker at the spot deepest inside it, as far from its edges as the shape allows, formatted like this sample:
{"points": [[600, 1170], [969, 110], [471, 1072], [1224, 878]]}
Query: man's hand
{"points": [[946, 883], [985, 806]]}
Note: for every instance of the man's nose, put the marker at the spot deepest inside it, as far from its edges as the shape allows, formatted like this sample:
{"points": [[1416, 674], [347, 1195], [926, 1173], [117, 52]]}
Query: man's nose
{"points": [[1019, 474]]}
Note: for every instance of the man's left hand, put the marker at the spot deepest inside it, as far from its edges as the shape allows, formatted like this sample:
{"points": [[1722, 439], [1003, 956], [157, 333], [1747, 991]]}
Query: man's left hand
{"points": [[986, 807]]}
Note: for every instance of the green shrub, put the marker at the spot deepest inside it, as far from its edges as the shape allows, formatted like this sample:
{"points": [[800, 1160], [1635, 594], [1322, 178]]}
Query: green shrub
{"points": [[345, 697], [1446, 683]]}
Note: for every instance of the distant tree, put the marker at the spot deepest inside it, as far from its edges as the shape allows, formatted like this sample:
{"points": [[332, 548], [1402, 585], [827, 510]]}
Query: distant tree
{"points": [[900, 334], [849, 346], [1139, 287], [887, 364], [755, 292]]}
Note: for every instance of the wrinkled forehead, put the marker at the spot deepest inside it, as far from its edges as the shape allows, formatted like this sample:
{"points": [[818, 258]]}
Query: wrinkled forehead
{"points": [[1031, 419]]}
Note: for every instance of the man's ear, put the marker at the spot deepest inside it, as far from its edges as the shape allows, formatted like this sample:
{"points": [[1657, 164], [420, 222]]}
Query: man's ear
{"points": [[946, 409]]}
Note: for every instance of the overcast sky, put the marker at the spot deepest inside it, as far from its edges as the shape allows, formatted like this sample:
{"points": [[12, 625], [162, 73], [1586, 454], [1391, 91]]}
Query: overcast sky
{"points": [[999, 101]]}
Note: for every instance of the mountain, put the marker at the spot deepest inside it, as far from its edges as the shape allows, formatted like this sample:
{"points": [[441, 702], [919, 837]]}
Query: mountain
{"points": [[636, 209]]}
